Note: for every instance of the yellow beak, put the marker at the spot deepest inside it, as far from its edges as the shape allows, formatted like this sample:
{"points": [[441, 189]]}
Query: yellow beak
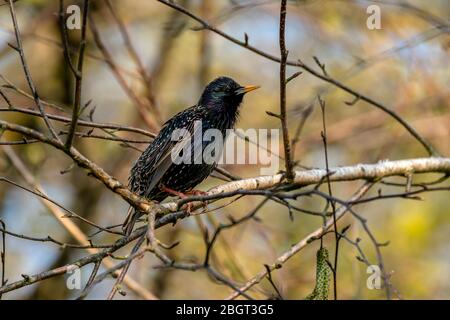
{"points": [[249, 88], [245, 89]]}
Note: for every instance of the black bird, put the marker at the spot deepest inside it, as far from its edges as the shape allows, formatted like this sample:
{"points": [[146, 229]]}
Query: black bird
{"points": [[154, 175]]}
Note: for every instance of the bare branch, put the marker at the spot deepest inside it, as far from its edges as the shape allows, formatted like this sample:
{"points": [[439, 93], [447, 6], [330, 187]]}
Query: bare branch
{"points": [[84, 123], [78, 74], [26, 70], [284, 127]]}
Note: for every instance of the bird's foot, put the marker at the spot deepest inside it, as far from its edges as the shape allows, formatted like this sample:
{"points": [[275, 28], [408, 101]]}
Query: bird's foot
{"points": [[182, 195], [199, 193]]}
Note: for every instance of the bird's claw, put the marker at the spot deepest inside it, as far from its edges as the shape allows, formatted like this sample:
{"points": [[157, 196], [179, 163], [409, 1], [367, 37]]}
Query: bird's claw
{"points": [[189, 208], [189, 205]]}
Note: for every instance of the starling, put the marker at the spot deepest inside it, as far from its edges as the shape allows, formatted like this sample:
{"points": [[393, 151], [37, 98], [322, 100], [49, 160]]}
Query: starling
{"points": [[155, 176]]}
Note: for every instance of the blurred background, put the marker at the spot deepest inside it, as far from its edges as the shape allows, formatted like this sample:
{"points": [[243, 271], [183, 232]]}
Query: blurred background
{"points": [[404, 65]]}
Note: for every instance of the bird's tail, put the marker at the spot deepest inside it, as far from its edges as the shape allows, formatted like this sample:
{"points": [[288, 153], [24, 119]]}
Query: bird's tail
{"points": [[130, 221]]}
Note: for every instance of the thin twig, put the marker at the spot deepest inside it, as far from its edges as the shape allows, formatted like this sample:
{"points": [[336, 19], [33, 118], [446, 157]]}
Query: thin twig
{"points": [[3, 255], [26, 70], [333, 204], [84, 123], [79, 72], [284, 126]]}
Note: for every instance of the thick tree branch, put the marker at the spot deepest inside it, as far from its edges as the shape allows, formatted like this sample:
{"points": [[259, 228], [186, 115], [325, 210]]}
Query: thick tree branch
{"points": [[368, 172], [377, 171]]}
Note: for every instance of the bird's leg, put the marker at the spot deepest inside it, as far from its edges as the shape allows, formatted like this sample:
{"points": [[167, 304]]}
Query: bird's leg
{"points": [[197, 193], [178, 194], [173, 192]]}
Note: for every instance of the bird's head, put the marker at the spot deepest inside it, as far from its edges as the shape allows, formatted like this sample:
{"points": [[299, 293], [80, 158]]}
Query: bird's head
{"points": [[224, 95]]}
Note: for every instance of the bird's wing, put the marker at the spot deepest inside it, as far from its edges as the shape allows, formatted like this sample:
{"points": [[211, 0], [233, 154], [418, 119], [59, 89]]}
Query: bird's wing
{"points": [[166, 161], [156, 160]]}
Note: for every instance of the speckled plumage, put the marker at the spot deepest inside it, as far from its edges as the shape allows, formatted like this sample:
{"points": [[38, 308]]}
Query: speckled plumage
{"points": [[217, 108]]}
